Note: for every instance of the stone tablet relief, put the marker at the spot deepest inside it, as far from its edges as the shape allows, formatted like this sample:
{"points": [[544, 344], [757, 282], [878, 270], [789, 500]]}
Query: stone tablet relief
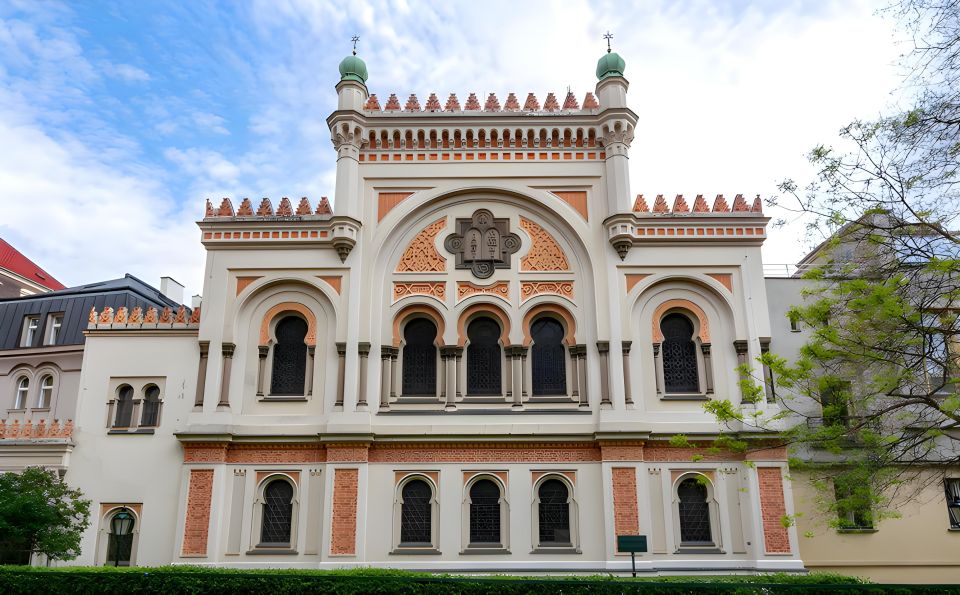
{"points": [[482, 243]]}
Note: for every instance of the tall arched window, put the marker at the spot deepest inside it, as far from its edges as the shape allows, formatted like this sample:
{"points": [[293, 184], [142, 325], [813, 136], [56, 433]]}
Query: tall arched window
{"points": [[694, 513], [151, 406], [416, 516], [554, 513], [420, 358], [483, 357], [124, 413], [484, 512], [277, 513], [548, 357], [46, 392], [679, 355], [23, 390], [120, 547], [289, 357]]}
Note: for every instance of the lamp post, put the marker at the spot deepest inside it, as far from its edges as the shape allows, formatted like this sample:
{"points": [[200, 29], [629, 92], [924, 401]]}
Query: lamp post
{"points": [[121, 524]]}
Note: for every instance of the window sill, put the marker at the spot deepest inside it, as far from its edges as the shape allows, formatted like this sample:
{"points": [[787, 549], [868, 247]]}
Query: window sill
{"points": [[16, 410], [685, 397], [551, 399], [415, 551], [416, 400], [130, 431], [698, 550], [856, 531], [40, 410], [556, 550], [268, 551], [283, 399], [954, 529], [484, 550], [485, 399]]}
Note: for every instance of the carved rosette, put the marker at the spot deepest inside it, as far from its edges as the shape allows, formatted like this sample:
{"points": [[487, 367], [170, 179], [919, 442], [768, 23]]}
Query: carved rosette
{"points": [[529, 289], [482, 244], [421, 256], [437, 290], [545, 254], [500, 289]]}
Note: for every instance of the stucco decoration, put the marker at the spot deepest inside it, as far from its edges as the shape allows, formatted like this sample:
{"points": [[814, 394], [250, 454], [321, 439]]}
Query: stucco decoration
{"points": [[482, 243], [500, 289], [421, 256], [545, 254], [310, 339], [434, 289], [529, 289], [691, 308]]}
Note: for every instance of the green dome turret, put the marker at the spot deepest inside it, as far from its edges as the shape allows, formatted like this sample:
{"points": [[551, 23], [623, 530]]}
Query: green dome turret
{"points": [[611, 64], [352, 68]]}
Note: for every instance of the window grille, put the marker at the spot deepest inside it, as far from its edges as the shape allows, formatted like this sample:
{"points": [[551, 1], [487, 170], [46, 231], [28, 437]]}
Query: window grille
{"points": [[554, 513], [289, 357], [484, 512], [415, 514], [694, 512], [679, 355], [483, 358], [277, 513], [151, 406], [548, 358], [420, 358], [124, 414]]}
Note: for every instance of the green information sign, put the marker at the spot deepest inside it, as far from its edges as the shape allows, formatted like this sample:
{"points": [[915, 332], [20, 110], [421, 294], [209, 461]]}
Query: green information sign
{"points": [[632, 544]]}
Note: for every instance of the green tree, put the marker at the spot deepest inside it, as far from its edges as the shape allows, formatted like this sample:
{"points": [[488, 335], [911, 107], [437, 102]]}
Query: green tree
{"points": [[870, 406], [40, 513]]}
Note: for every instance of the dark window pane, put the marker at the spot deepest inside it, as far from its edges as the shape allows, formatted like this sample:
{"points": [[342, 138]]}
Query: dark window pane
{"points": [[549, 358], [694, 513], [483, 357], [289, 357], [484, 512], [277, 513], [120, 547], [420, 358], [124, 407], [679, 355], [415, 514], [151, 406], [554, 513]]}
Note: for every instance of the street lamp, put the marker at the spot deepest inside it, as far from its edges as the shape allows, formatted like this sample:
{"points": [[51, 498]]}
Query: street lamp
{"points": [[121, 524]]}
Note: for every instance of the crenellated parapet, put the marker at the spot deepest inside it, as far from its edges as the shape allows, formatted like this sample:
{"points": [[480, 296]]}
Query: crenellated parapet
{"points": [[137, 319], [531, 105], [35, 431]]}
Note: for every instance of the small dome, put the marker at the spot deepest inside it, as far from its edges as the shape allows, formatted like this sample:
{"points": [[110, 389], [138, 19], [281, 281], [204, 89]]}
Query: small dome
{"points": [[352, 68], [611, 64]]}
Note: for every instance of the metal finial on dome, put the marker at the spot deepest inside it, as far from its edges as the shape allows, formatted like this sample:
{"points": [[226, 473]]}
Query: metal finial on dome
{"points": [[608, 37], [356, 38]]}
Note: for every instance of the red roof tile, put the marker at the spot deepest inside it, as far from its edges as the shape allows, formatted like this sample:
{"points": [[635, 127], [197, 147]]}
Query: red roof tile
{"points": [[15, 262]]}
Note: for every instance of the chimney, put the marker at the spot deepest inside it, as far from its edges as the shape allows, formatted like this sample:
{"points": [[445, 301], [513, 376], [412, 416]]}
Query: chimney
{"points": [[170, 288], [195, 301]]}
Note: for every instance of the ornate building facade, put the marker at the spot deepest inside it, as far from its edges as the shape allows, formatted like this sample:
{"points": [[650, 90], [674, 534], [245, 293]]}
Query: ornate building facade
{"points": [[481, 360]]}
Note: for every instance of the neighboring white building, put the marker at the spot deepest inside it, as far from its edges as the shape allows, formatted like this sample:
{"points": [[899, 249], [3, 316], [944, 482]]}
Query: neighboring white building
{"points": [[477, 363]]}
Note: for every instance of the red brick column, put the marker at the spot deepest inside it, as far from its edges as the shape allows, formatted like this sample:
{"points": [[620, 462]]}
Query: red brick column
{"points": [[200, 491], [343, 525], [776, 538], [625, 516]]}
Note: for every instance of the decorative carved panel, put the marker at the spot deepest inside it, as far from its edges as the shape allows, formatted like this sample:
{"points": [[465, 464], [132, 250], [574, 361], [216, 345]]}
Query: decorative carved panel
{"points": [[528, 289], [545, 254], [466, 289], [421, 255], [436, 289], [482, 244]]}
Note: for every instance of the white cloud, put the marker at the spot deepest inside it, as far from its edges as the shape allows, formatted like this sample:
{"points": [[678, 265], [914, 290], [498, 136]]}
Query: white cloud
{"points": [[126, 72]]}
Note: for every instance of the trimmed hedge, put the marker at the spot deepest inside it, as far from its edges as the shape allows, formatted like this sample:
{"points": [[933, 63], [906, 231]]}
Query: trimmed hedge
{"points": [[187, 579]]}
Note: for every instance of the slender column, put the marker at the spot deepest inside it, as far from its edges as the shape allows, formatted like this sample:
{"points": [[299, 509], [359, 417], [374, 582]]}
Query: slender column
{"points": [[707, 367], [527, 381], [771, 390], [460, 377], [449, 355], [582, 372], [658, 369], [516, 376], [385, 376], [508, 351], [741, 348], [341, 367], [574, 376], [227, 350], [311, 358], [202, 373], [625, 350], [363, 349], [394, 354], [262, 351], [604, 348]]}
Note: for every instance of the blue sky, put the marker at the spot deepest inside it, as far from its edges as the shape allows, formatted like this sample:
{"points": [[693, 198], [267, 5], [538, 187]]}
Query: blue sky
{"points": [[120, 118]]}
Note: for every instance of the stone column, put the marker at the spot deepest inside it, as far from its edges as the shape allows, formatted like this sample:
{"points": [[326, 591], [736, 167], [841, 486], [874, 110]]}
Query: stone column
{"points": [[527, 380], [341, 367], [385, 377], [604, 348], [363, 350], [516, 377], [625, 350], [262, 351], [394, 355], [449, 355], [658, 369], [227, 350], [771, 390], [582, 373], [202, 374], [574, 376], [741, 348], [311, 358], [707, 367], [461, 378]]}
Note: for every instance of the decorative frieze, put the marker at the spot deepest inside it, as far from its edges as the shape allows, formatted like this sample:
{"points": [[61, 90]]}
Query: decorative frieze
{"points": [[529, 289], [123, 319], [40, 430], [421, 255], [433, 289], [544, 254], [500, 289]]}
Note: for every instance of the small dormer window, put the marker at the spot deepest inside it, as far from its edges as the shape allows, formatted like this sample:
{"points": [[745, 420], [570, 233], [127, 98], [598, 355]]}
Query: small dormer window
{"points": [[31, 326]]}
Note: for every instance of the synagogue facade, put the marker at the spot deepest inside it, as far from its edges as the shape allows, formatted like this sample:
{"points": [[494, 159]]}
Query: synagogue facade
{"points": [[488, 355]]}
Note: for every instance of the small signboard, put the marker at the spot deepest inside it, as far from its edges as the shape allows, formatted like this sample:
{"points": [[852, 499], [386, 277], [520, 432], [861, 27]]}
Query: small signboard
{"points": [[632, 544]]}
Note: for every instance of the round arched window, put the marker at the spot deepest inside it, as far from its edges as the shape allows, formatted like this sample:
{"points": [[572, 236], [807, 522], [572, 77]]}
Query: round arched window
{"points": [[694, 512], [277, 513], [289, 357], [548, 357], [679, 355], [554, 513], [420, 358], [484, 512], [416, 516], [483, 357]]}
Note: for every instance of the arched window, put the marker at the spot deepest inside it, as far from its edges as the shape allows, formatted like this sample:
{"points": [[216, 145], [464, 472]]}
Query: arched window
{"points": [[416, 516], [46, 392], [483, 357], [694, 512], [554, 513], [120, 547], [277, 513], [151, 406], [484, 512], [23, 389], [420, 358], [289, 357], [124, 413], [679, 355], [548, 357]]}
